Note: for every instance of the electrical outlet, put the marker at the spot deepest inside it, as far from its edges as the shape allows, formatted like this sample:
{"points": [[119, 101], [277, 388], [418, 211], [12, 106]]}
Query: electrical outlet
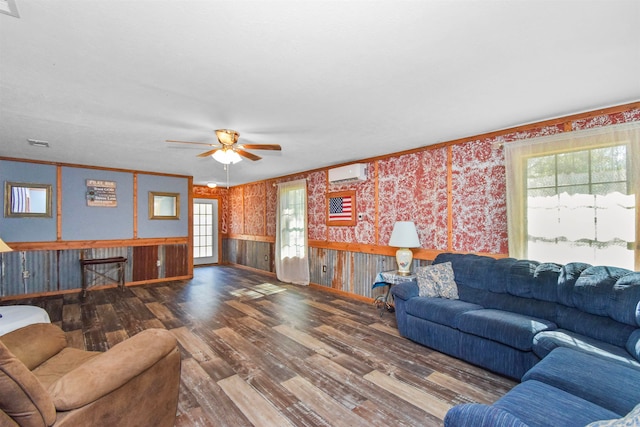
{"points": [[26, 274], [324, 268], [158, 263], [266, 257]]}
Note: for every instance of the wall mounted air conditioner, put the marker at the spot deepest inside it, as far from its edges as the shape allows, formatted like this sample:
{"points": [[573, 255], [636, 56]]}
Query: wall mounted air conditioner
{"points": [[348, 173]]}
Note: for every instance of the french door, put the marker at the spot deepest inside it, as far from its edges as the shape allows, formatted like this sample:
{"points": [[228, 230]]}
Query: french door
{"points": [[205, 231]]}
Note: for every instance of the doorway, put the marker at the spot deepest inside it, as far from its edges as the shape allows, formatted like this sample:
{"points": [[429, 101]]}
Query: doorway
{"points": [[205, 231]]}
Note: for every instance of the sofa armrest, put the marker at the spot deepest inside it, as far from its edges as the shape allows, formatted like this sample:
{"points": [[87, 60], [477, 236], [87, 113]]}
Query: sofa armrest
{"points": [[111, 369], [35, 344], [405, 290], [479, 415], [633, 344]]}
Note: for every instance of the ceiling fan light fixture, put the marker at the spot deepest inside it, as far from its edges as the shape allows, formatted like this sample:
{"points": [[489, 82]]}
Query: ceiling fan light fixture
{"points": [[226, 156]]}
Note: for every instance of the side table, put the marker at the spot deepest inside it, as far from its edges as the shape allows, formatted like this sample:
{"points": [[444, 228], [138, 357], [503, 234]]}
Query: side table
{"points": [[388, 278]]}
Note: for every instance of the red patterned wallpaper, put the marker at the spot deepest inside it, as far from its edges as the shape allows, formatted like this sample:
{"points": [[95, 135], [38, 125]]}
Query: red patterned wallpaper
{"points": [[254, 215], [236, 210], [222, 195], [413, 187]]}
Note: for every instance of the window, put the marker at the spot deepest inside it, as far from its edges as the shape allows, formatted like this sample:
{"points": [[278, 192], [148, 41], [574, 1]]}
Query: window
{"points": [[573, 197], [292, 264]]}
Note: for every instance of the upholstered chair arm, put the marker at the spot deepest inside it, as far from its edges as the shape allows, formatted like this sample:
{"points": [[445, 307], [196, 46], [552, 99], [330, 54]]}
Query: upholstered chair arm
{"points": [[35, 344], [112, 369], [478, 415]]}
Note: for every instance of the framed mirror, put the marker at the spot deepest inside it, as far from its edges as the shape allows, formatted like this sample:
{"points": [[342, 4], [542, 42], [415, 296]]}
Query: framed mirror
{"points": [[164, 205], [26, 200]]}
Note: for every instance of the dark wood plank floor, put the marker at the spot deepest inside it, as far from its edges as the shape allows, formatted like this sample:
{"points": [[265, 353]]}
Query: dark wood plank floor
{"points": [[259, 352]]}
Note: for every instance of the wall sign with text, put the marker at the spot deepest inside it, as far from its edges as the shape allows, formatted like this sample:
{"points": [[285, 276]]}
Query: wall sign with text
{"points": [[101, 193]]}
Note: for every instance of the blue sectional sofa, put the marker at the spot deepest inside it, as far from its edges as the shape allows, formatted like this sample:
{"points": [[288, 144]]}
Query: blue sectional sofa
{"points": [[570, 333]]}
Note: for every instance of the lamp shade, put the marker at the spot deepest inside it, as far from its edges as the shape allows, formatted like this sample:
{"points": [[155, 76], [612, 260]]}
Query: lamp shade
{"points": [[4, 247], [404, 235]]}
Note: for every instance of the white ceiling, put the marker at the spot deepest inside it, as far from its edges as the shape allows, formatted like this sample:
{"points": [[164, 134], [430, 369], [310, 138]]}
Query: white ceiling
{"points": [[107, 82]]}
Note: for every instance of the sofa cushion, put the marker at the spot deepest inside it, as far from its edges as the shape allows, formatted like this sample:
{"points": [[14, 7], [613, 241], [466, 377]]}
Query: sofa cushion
{"points": [[569, 274], [521, 280], [437, 281], [36, 343], [60, 364], [593, 291], [547, 341], [613, 386], [22, 396], [480, 415], [515, 330], [599, 327], [629, 420], [546, 285], [626, 299], [439, 310], [536, 404]]}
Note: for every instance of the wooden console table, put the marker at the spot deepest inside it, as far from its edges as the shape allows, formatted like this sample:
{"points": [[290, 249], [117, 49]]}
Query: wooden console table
{"points": [[89, 265]]}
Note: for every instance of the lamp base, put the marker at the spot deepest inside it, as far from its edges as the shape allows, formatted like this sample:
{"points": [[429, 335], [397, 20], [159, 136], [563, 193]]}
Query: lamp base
{"points": [[404, 256]]}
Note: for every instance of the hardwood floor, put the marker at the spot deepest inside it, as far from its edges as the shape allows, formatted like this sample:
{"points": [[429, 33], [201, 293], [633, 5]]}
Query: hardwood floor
{"points": [[259, 352]]}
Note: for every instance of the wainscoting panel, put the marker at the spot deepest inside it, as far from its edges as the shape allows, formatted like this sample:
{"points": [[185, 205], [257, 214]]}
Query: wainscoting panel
{"points": [[344, 271], [51, 271]]}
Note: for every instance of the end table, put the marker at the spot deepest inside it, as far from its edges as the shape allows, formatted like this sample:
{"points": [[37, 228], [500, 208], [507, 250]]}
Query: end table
{"points": [[388, 278]]}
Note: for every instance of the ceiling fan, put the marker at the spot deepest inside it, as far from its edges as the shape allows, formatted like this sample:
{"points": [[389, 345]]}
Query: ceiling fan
{"points": [[228, 151]]}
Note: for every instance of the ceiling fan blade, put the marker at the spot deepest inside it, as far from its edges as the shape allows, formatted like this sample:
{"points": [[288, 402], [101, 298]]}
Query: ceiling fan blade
{"points": [[208, 153], [191, 142], [247, 154], [275, 147]]}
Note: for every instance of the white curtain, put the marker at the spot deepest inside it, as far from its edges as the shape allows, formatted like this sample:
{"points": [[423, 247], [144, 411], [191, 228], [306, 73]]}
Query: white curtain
{"points": [[292, 261], [577, 212]]}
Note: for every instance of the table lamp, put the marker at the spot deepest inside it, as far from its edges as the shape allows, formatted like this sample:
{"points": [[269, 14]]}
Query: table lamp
{"points": [[404, 236]]}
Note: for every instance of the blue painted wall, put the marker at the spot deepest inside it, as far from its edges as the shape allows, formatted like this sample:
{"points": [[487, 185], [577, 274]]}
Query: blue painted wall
{"points": [[82, 222], [28, 229], [148, 228]]}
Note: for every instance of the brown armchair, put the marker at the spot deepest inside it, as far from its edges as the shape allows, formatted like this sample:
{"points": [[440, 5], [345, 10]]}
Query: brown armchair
{"points": [[45, 383]]}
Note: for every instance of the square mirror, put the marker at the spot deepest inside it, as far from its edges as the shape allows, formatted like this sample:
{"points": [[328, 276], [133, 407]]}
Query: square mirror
{"points": [[25, 200]]}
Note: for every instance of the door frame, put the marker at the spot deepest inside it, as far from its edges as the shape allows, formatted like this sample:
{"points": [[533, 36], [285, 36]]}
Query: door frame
{"points": [[218, 227]]}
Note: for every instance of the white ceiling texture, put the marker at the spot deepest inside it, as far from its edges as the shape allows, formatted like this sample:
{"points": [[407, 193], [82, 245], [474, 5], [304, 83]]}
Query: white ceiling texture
{"points": [[106, 82]]}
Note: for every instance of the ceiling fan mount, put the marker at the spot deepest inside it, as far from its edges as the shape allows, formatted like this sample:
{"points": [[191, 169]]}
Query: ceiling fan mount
{"points": [[227, 151]]}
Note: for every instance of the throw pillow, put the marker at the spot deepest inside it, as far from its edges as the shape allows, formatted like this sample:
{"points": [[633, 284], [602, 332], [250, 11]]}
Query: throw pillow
{"points": [[437, 281], [630, 420], [427, 287]]}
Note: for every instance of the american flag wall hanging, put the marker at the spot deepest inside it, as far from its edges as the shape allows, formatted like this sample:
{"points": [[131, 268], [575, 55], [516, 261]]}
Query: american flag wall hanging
{"points": [[341, 208]]}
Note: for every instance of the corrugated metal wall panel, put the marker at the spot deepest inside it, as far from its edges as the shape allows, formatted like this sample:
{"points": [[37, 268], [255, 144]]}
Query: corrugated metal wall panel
{"points": [[41, 269], [352, 272], [69, 270], [12, 273]]}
